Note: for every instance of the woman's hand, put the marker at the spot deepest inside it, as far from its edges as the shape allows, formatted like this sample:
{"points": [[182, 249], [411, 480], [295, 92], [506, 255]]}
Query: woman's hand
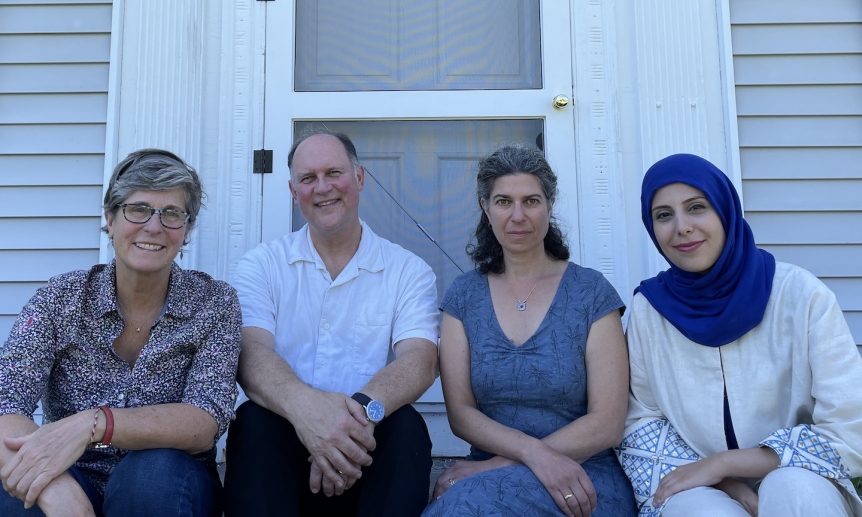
{"points": [[741, 493], [749, 463], [463, 469], [44, 454], [565, 480], [64, 497], [706, 472]]}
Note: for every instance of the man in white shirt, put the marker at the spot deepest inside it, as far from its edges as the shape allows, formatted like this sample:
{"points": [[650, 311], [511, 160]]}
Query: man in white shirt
{"points": [[339, 338]]}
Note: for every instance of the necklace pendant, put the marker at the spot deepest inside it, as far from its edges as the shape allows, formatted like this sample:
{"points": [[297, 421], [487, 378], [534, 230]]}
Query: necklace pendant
{"points": [[137, 329], [522, 306]]}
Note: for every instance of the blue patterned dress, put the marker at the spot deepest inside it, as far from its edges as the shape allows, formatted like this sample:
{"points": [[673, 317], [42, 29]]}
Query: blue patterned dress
{"points": [[536, 388]]}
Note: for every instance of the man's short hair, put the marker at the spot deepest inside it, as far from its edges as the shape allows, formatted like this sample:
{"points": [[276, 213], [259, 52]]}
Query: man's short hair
{"points": [[349, 148]]}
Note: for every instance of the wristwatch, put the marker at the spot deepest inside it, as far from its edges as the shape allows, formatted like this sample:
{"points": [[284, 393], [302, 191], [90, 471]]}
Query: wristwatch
{"points": [[374, 410]]}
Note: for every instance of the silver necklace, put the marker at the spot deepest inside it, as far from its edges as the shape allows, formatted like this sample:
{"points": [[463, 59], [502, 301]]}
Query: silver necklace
{"points": [[123, 314], [522, 304]]}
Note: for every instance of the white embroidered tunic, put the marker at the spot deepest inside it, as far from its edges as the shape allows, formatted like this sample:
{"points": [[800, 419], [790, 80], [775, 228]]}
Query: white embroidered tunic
{"points": [[794, 384]]}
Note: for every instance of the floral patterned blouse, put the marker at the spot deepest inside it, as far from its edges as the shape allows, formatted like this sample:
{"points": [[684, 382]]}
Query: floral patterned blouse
{"points": [[61, 349]]}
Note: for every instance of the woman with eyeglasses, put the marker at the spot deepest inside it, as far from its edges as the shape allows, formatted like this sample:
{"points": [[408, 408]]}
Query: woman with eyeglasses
{"points": [[135, 363]]}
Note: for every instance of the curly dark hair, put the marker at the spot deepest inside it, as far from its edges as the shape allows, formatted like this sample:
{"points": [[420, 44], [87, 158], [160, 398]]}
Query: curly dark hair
{"points": [[484, 249]]}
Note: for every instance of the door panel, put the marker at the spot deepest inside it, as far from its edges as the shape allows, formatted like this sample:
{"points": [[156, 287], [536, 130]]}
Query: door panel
{"points": [[354, 45], [429, 169]]}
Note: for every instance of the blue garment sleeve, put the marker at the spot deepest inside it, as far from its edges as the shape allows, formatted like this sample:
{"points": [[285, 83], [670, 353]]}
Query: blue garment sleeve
{"points": [[454, 299]]}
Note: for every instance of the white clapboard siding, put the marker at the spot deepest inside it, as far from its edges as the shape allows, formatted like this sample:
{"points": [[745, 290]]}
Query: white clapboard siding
{"points": [[801, 227], [16, 295], [854, 319], [55, 48], [51, 169], [57, 108], [56, 201], [825, 261], [53, 77], [48, 138], [27, 233], [794, 11], [846, 290], [40, 265], [53, 111], [801, 162], [797, 69], [802, 195], [32, 18], [796, 38], [828, 99], [801, 131], [798, 73]]}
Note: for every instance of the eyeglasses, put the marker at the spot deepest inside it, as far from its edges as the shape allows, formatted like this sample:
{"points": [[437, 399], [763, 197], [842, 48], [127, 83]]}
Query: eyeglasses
{"points": [[140, 214]]}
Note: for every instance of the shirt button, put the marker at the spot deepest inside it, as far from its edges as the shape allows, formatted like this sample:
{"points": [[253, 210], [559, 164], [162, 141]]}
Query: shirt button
{"points": [[122, 396], [326, 326]]}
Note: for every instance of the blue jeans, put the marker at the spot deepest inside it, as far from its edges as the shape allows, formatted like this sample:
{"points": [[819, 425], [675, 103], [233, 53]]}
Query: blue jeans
{"points": [[152, 482]]}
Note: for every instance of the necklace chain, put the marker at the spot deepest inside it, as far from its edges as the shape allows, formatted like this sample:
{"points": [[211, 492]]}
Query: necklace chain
{"points": [[522, 304], [123, 314]]}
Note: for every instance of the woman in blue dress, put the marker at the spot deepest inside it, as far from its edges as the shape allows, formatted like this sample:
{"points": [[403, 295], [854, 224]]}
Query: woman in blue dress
{"points": [[533, 361]]}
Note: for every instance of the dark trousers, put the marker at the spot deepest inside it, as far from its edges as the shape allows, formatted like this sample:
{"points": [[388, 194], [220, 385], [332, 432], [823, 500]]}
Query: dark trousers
{"points": [[268, 469]]}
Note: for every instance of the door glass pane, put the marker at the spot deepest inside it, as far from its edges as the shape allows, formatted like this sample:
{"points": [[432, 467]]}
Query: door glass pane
{"points": [[360, 45], [430, 168]]}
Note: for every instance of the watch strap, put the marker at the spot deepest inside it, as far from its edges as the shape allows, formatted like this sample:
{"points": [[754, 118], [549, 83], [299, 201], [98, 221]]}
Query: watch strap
{"points": [[362, 398]]}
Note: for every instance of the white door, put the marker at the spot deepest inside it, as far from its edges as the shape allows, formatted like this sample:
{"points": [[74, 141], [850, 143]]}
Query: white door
{"points": [[285, 105], [424, 89]]}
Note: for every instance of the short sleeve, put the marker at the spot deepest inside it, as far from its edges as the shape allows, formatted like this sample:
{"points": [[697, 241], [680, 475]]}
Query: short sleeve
{"points": [[415, 316], [254, 288], [605, 297], [454, 298]]}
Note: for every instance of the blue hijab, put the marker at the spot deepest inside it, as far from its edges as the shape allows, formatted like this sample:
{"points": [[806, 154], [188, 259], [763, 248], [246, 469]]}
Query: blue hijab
{"points": [[718, 307]]}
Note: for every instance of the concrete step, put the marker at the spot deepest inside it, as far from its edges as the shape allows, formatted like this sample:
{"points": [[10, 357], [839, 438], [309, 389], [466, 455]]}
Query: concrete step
{"points": [[437, 468]]}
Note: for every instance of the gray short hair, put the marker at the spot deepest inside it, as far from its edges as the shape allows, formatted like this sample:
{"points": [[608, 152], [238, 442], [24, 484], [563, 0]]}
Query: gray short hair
{"points": [[154, 170], [349, 148]]}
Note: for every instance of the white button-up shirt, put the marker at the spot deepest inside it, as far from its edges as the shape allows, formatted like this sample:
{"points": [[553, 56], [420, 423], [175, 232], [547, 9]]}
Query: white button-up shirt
{"points": [[336, 334]]}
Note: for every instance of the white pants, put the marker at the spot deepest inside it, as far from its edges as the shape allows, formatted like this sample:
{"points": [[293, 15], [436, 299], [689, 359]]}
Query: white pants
{"points": [[785, 492]]}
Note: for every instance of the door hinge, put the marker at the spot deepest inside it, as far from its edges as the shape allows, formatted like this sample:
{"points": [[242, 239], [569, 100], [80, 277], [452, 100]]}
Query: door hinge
{"points": [[262, 162]]}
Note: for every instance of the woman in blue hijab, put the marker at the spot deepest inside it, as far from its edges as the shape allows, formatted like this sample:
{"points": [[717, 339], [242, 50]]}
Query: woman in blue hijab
{"points": [[744, 376]]}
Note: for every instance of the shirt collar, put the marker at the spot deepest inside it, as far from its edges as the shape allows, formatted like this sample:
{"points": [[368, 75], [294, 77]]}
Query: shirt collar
{"points": [[178, 289], [369, 255], [106, 288]]}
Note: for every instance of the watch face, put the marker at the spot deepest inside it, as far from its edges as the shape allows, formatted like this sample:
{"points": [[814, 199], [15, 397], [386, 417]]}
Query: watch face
{"points": [[375, 411]]}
